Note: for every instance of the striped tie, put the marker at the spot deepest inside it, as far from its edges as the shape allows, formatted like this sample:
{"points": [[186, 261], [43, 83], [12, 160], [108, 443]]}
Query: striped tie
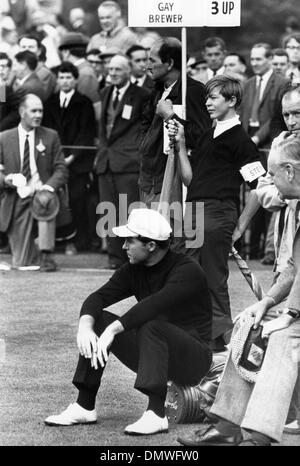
{"points": [[26, 160]]}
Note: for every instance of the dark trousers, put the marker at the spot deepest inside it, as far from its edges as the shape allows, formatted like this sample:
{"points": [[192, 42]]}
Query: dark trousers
{"points": [[259, 227], [220, 218], [111, 185], [157, 352]]}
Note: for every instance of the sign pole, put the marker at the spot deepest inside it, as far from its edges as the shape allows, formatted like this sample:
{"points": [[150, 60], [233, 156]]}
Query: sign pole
{"points": [[183, 70], [183, 93]]}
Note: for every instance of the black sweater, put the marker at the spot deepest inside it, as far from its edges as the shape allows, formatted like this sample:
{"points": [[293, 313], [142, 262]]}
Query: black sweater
{"points": [[175, 290], [216, 163]]}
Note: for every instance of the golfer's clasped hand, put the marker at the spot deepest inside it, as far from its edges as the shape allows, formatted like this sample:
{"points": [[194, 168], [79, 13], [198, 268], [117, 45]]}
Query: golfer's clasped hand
{"points": [[87, 343]]}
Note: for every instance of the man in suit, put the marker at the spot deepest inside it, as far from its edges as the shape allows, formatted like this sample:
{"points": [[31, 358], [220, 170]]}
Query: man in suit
{"points": [[33, 44], [72, 115], [254, 414], [214, 51], [261, 96], [34, 152], [261, 93], [138, 57], [117, 162], [25, 78], [165, 69]]}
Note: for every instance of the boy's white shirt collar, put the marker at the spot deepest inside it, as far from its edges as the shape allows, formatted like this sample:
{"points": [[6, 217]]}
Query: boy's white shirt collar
{"points": [[223, 126]]}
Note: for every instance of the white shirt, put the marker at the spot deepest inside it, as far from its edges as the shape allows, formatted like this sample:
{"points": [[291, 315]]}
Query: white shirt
{"points": [[138, 81], [35, 181], [264, 81], [223, 126], [65, 97], [168, 90], [121, 90], [21, 81], [210, 73]]}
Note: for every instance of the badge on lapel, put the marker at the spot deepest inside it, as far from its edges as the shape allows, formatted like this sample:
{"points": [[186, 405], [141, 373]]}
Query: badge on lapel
{"points": [[41, 148], [127, 111]]}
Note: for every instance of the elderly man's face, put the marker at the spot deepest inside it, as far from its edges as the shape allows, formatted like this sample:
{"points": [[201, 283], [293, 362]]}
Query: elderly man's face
{"points": [[108, 18], [285, 175], [119, 71], [277, 172], [31, 113], [291, 111]]}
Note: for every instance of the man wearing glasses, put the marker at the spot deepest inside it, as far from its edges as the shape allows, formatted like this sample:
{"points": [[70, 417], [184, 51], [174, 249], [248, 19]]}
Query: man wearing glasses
{"points": [[292, 46]]}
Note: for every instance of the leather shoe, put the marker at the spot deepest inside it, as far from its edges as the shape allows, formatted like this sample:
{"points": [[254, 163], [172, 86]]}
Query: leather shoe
{"points": [[210, 437]]}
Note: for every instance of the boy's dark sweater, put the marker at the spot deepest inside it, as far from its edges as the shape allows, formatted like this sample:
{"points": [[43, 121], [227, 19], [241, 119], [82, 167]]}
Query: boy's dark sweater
{"points": [[216, 163]]}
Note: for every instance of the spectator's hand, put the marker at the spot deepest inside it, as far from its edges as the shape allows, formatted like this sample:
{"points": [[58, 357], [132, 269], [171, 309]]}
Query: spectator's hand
{"points": [[175, 131], [164, 108], [256, 311], [279, 323], [7, 182], [104, 343], [87, 344], [44, 198], [237, 234]]}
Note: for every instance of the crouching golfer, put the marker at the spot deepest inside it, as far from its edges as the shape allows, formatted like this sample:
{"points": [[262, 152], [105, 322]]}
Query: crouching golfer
{"points": [[165, 336]]}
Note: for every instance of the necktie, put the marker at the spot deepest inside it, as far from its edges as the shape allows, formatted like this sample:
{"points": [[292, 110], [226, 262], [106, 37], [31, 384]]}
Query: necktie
{"points": [[256, 102], [64, 104], [116, 99], [26, 160], [136, 82]]}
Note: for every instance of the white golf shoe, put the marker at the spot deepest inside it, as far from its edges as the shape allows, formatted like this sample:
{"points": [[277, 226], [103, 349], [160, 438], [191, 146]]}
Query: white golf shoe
{"points": [[74, 414], [148, 424]]}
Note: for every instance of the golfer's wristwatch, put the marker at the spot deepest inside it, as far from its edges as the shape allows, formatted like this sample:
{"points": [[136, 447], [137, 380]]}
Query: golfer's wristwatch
{"points": [[292, 312]]}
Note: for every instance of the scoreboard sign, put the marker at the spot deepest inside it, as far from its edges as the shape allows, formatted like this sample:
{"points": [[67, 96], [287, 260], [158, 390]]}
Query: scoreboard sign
{"points": [[184, 13]]}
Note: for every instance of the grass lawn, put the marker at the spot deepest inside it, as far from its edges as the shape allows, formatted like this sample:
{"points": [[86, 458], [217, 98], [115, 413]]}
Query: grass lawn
{"points": [[38, 321]]}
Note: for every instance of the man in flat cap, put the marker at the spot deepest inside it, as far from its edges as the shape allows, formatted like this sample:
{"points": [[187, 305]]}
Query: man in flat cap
{"points": [[165, 336], [73, 49]]}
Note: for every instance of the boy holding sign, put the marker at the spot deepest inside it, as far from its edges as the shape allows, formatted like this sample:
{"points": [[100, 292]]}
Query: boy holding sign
{"points": [[224, 157]]}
